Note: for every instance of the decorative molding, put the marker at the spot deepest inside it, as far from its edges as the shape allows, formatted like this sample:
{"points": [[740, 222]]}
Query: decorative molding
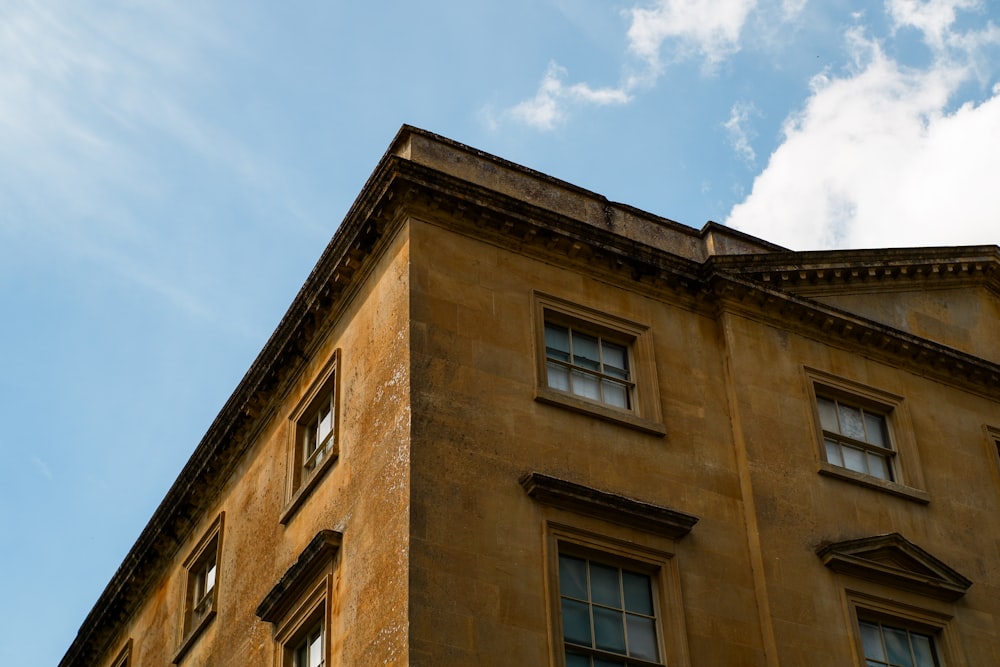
{"points": [[895, 561], [313, 558], [588, 501]]}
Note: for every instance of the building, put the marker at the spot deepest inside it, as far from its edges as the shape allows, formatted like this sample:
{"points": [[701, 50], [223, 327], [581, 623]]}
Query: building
{"points": [[508, 422]]}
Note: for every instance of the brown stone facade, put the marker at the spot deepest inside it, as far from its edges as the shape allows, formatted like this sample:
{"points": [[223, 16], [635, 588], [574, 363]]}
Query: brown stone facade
{"points": [[508, 422]]}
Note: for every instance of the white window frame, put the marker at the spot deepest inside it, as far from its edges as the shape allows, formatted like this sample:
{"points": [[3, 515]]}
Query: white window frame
{"points": [[642, 411]]}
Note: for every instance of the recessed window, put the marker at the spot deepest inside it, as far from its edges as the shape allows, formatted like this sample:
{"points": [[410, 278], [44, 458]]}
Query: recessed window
{"points": [[587, 365], [201, 587], [865, 436], [856, 438], [309, 651], [889, 646], [597, 364], [312, 442], [124, 657], [608, 614]]}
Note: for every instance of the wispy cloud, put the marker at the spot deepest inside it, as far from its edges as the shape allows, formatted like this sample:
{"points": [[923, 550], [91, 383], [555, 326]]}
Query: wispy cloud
{"points": [[659, 35], [740, 132], [879, 156]]}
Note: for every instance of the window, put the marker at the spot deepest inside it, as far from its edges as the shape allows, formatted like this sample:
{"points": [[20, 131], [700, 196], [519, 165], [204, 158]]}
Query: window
{"points": [[597, 364], [608, 614], [297, 604], [865, 436], [312, 442], [887, 646], [587, 365], [855, 438], [124, 657], [201, 590], [309, 651]]}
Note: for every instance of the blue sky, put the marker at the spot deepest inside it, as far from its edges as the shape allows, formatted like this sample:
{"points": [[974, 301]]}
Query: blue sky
{"points": [[169, 173]]}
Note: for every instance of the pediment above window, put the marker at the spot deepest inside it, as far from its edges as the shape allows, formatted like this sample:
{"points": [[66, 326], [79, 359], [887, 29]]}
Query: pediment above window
{"points": [[895, 561]]}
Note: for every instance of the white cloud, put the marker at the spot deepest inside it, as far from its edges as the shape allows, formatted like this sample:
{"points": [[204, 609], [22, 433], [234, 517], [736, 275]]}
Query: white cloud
{"points": [[739, 132], [933, 18], [709, 28], [876, 158], [547, 108]]}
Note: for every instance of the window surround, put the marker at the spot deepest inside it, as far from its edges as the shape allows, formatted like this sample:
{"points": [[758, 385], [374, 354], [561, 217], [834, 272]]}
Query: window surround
{"points": [[305, 469], [907, 476], [930, 620], [202, 574], [659, 565], [299, 601], [643, 410], [993, 446], [124, 656]]}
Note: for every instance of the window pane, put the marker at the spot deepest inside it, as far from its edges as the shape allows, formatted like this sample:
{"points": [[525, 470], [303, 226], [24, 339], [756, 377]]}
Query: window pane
{"points": [[573, 577], [641, 637], [875, 427], [827, 414], [897, 646], [878, 466], [586, 385], [871, 639], [585, 351], [638, 593], [609, 631], [923, 649], [576, 622], [615, 360], [851, 423], [209, 578], [599, 662], [833, 453], [854, 459], [604, 586], [556, 342], [325, 422], [615, 394], [558, 377], [316, 650], [577, 660]]}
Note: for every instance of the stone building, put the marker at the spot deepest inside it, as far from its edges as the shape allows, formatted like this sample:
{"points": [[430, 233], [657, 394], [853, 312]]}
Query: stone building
{"points": [[508, 422]]}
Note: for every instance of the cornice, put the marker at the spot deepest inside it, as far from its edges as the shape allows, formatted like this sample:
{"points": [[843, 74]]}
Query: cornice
{"points": [[883, 270], [861, 335]]}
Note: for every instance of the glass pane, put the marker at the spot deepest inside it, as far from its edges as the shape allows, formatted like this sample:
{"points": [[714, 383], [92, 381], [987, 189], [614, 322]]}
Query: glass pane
{"points": [[600, 662], [576, 622], [641, 637], [573, 577], [827, 414], [556, 342], [615, 360], [897, 646], [923, 650], [585, 351], [851, 423], [871, 639], [878, 466], [638, 593], [875, 426], [609, 631], [615, 394], [316, 650], [209, 578], [604, 586], [854, 459], [558, 377], [833, 453], [325, 422], [586, 385], [301, 656], [577, 660]]}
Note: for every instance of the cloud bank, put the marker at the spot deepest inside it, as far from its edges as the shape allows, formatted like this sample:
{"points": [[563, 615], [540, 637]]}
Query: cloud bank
{"points": [[879, 156]]}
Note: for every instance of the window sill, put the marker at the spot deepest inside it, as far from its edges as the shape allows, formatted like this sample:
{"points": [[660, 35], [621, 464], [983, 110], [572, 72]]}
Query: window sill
{"points": [[193, 634], [894, 488], [306, 488], [607, 413]]}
